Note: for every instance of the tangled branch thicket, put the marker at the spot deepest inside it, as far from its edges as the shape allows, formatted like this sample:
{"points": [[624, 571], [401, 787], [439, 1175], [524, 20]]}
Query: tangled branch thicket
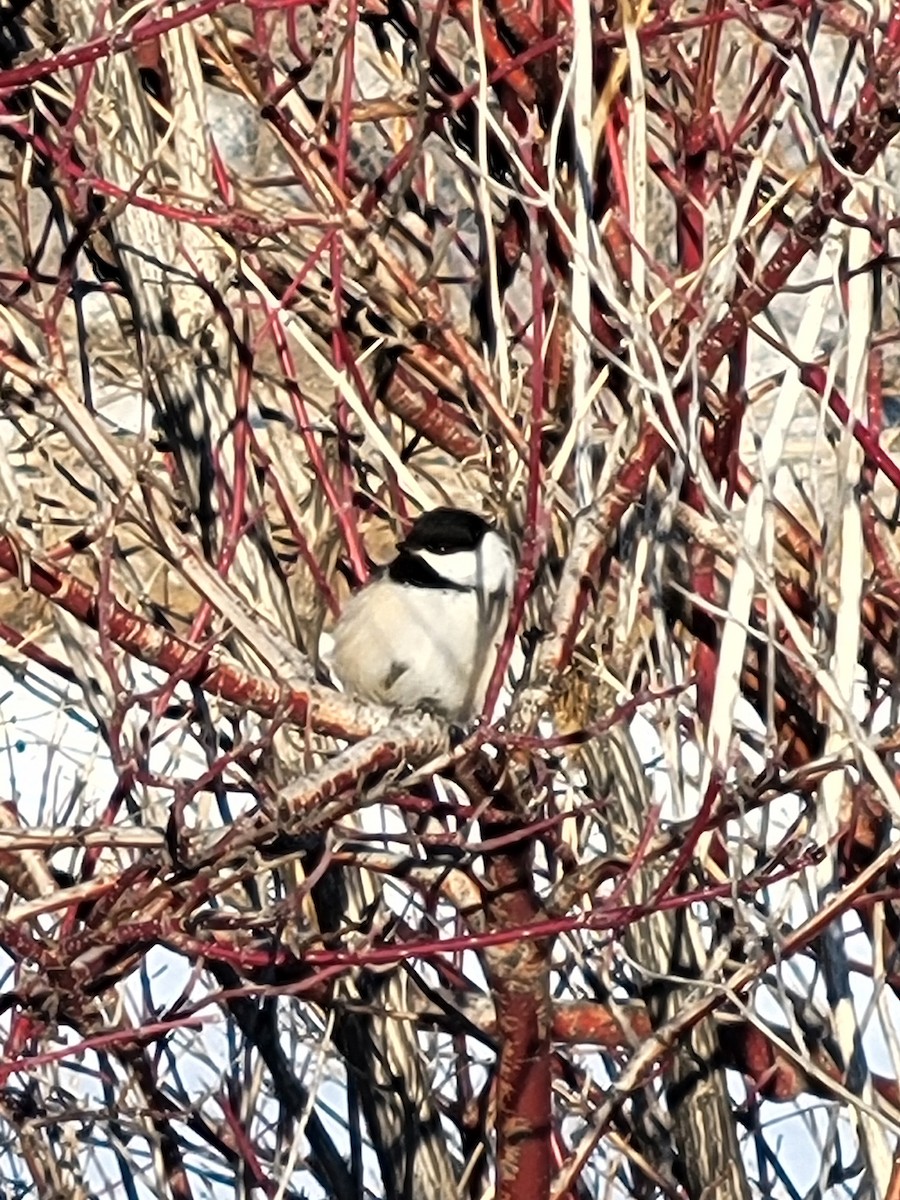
{"points": [[276, 277]]}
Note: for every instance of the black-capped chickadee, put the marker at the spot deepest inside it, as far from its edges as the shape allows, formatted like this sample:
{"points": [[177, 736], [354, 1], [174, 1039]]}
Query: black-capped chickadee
{"points": [[424, 632]]}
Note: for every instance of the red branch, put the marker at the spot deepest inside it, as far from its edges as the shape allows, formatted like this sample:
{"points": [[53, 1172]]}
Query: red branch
{"points": [[318, 707]]}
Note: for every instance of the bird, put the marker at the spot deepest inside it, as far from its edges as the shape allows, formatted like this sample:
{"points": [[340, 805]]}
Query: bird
{"points": [[423, 633]]}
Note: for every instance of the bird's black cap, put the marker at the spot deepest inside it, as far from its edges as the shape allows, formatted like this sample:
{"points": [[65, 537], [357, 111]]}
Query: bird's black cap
{"points": [[446, 531]]}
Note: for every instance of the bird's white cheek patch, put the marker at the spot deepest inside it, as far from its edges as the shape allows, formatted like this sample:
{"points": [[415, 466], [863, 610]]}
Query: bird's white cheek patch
{"points": [[489, 568], [460, 568]]}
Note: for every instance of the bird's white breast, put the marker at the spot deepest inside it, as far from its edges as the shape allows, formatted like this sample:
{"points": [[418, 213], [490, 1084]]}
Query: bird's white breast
{"points": [[417, 647]]}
